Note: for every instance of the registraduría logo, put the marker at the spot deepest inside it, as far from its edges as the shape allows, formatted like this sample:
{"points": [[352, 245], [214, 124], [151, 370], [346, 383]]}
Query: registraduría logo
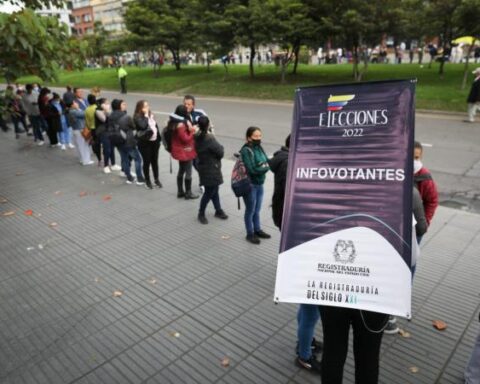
{"points": [[344, 251]]}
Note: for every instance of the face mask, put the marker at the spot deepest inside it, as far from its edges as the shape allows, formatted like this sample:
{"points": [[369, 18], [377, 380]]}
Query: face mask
{"points": [[256, 142], [417, 165]]}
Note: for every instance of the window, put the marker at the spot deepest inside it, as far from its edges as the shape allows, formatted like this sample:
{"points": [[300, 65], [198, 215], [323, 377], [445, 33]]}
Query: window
{"points": [[87, 17], [78, 19]]}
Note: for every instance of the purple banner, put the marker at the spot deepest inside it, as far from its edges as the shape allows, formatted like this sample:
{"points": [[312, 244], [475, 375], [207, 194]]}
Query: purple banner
{"points": [[349, 189]]}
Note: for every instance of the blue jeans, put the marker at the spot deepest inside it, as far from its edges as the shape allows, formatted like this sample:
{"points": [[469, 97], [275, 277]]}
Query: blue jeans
{"points": [[211, 193], [37, 127], [65, 135], [253, 204], [307, 317], [108, 150], [126, 153]]}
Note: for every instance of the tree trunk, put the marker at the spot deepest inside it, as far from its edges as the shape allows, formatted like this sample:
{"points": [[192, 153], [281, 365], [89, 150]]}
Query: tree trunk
{"points": [[296, 52], [155, 68], [252, 54], [365, 65], [208, 63], [465, 71], [355, 63], [176, 58]]}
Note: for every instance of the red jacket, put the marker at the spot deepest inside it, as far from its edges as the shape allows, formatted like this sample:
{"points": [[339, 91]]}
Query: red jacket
{"points": [[428, 190], [183, 143]]}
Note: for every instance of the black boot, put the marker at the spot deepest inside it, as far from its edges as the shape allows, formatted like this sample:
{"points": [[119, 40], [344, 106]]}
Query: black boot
{"points": [[180, 192], [188, 190]]}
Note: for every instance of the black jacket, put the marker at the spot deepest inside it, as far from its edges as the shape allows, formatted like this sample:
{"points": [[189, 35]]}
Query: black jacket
{"points": [[125, 123], [474, 95], [141, 124], [419, 214], [279, 165], [209, 154]]}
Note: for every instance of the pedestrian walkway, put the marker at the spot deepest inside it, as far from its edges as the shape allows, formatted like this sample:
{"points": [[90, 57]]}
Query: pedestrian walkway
{"points": [[111, 283]]}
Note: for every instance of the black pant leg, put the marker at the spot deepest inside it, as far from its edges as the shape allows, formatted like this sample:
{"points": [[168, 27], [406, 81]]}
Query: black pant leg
{"points": [[145, 151], [366, 345], [336, 327], [154, 158]]}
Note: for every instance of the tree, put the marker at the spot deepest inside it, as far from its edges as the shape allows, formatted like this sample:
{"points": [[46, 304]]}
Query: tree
{"points": [[289, 27], [214, 30], [97, 41], [30, 44], [467, 19], [440, 20], [250, 24], [163, 22]]}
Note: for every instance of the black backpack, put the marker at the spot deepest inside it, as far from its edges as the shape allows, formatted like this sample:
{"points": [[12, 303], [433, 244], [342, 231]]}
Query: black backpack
{"points": [[167, 136]]}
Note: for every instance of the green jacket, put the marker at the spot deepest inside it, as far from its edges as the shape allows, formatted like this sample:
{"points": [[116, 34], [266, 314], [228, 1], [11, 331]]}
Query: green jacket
{"points": [[256, 162]]}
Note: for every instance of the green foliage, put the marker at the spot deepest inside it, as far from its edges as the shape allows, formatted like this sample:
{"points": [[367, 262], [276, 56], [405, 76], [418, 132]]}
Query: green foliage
{"points": [[35, 4], [162, 22], [31, 44]]}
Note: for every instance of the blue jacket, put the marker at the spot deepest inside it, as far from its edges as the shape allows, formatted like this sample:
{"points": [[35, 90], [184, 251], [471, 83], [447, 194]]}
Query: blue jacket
{"points": [[77, 119]]}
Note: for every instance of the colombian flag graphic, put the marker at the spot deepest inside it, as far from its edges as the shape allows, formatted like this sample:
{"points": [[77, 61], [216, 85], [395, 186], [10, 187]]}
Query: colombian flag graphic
{"points": [[336, 103]]}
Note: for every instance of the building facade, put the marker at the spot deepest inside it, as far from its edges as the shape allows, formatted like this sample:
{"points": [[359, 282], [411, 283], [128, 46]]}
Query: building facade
{"points": [[63, 14], [110, 14], [83, 19]]}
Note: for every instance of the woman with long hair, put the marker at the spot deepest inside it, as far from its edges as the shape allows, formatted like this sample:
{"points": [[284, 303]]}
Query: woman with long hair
{"points": [[148, 136]]}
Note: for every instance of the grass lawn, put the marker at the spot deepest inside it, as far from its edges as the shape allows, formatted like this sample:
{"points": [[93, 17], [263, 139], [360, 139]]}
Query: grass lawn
{"points": [[432, 92]]}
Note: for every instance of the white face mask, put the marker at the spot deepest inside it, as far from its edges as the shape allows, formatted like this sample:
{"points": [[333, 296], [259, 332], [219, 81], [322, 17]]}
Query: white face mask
{"points": [[417, 165]]}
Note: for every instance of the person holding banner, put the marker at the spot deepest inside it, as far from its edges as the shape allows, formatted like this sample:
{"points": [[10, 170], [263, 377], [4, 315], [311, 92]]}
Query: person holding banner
{"points": [[256, 164]]}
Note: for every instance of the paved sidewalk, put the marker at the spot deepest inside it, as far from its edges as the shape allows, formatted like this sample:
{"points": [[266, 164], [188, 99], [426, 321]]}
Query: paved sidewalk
{"points": [[190, 295]]}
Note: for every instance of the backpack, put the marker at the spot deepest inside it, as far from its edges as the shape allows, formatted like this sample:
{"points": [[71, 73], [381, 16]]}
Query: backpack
{"points": [[240, 181], [167, 136], [115, 133]]}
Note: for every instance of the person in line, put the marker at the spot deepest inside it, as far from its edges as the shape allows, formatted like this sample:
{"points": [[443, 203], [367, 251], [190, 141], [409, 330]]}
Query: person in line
{"points": [[183, 150], [59, 120], [77, 120], [31, 104], [101, 115], [148, 145], [194, 115], [46, 113], [81, 102], [90, 124], [256, 164], [209, 155], [122, 77], [124, 139], [17, 112], [425, 184], [473, 99], [68, 97], [307, 316]]}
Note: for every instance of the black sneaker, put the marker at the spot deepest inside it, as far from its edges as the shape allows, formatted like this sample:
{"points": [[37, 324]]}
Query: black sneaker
{"points": [[221, 215], [148, 185], [312, 365], [130, 179], [202, 219], [262, 235], [158, 184], [253, 239]]}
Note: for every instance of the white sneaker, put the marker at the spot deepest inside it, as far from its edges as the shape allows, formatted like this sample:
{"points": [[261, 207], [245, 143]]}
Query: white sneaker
{"points": [[116, 168], [40, 143], [70, 145], [123, 174], [63, 148], [59, 145], [107, 170], [89, 162]]}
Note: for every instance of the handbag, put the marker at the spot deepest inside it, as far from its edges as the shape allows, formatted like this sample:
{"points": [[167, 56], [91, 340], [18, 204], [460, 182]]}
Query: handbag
{"points": [[86, 133]]}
